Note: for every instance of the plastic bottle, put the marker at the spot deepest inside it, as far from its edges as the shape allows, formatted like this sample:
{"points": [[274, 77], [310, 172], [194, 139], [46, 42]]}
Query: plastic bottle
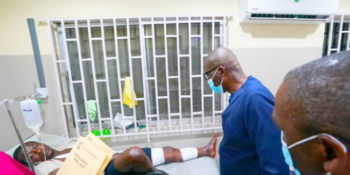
{"points": [[31, 114]]}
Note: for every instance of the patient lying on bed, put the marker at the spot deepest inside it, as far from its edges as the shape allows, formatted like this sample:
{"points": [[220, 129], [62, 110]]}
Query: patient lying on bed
{"points": [[131, 161]]}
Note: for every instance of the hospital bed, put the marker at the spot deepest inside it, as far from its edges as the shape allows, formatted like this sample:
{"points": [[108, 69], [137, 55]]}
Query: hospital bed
{"points": [[201, 166]]}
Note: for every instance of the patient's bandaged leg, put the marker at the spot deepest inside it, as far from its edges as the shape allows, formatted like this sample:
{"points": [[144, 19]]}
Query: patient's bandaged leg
{"points": [[189, 153], [157, 156]]}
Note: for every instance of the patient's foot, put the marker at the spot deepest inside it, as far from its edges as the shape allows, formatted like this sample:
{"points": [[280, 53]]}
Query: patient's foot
{"points": [[210, 149]]}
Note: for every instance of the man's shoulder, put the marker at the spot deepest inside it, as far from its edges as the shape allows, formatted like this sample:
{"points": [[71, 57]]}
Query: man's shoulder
{"points": [[254, 88], [258, 95]]}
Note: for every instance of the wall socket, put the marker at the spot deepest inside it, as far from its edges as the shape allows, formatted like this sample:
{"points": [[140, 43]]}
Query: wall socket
{"points": [[43, 93]]}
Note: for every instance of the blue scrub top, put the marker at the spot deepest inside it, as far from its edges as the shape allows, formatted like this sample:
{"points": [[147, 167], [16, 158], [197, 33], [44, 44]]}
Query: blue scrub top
{"points": [[252, 142]]}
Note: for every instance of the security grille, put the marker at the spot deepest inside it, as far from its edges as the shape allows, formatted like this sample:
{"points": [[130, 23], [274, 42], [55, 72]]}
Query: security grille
{"points": [[163, 56]]}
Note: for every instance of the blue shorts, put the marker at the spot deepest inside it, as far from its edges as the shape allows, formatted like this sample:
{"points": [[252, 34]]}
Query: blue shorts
{"points": [[112, 170]]}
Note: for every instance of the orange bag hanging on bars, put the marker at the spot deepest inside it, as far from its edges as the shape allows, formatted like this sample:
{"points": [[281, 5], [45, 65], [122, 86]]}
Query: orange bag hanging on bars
{"points": [[128, 94]]}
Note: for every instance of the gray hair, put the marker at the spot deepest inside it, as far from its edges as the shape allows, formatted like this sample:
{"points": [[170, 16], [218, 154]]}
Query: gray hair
{"points": [[318, 96]]}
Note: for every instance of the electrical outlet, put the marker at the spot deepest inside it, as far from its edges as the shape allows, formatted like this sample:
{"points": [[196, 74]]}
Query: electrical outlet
{"points": [[43, 93]]}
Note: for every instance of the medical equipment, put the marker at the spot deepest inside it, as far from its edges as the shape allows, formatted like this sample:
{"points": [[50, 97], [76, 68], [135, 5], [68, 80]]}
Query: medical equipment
{"points": [[31, 114], [6, 103], [32, 118]]}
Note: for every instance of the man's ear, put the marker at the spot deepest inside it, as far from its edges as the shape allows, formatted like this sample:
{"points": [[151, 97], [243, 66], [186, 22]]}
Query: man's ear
{"points": [[334, 153], [223, 71]]}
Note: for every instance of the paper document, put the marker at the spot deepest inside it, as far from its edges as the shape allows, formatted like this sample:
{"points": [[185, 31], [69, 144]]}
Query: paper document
{"points": [[89, 156]]}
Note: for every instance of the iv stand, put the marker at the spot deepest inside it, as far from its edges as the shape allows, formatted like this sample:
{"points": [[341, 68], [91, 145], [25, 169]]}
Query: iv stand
{"points": [[7, 104]]}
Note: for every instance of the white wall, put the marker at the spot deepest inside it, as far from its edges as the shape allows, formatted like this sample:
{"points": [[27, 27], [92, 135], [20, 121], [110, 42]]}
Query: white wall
{"points": [[344, 7], [17, 78], [13, 16], [270, 65], [258, 47]]}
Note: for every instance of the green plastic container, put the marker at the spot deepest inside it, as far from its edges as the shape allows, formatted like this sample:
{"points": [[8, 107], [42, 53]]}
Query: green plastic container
{"points": [[105, 132], [96, 132]]}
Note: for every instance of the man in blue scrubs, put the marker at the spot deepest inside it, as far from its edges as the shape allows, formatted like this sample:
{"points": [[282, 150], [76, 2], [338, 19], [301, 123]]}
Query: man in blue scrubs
{"points": [[252, 142]]}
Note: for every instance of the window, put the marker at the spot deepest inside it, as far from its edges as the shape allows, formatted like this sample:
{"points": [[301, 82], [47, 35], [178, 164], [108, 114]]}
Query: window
{"points": [[337, 35], [163, 56]]}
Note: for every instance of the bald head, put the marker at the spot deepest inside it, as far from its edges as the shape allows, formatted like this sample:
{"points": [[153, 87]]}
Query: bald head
{"points": [[317, 96], [222, 57], [223, 68]]}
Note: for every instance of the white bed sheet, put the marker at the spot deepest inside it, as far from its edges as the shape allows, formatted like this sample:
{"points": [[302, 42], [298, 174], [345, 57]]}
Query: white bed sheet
{"points": [[200, 166]]}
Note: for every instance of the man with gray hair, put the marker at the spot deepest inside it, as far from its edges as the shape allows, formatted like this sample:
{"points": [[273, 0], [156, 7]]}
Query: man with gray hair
{"points": [[313, 111]]}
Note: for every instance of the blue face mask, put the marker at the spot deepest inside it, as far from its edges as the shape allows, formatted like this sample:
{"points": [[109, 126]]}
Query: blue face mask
{"points": [[217, 89], [288, 156]]}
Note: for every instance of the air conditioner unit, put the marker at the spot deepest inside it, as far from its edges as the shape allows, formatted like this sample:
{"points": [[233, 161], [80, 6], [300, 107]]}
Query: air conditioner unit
{"points": [[288, 11]]}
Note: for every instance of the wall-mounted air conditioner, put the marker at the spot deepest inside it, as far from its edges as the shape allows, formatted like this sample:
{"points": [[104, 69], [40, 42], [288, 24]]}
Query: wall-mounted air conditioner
{"points": [[288, 11]]}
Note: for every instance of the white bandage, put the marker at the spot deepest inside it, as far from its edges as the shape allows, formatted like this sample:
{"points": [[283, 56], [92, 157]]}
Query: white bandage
{"points": [[189, 153], [157, 156]]}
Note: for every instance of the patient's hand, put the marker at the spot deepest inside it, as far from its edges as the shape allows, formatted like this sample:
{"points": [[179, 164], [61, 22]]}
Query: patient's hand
{"points": [[53, 172]]}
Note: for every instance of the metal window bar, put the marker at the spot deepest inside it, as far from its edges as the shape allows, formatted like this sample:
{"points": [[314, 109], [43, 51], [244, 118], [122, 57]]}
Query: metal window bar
{"points": [[55, 62], [348, 44], [75, 112], [223, 97], [178, 71], [82, 73], [213, 47], [106, 74], [142, 40], [190, 72], [167, 71], [163, 132], [118, 66], [130, 70], [340, 33], [71, 39], [111, 58], [61, 61], [201, 30], [115, 100], [155, 72], [94, 77], [222, 39], [215, 19], [340, 20]]}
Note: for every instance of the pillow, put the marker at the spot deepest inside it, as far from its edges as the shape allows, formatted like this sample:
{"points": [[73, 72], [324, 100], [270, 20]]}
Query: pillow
{"points": [[49, 139]]}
